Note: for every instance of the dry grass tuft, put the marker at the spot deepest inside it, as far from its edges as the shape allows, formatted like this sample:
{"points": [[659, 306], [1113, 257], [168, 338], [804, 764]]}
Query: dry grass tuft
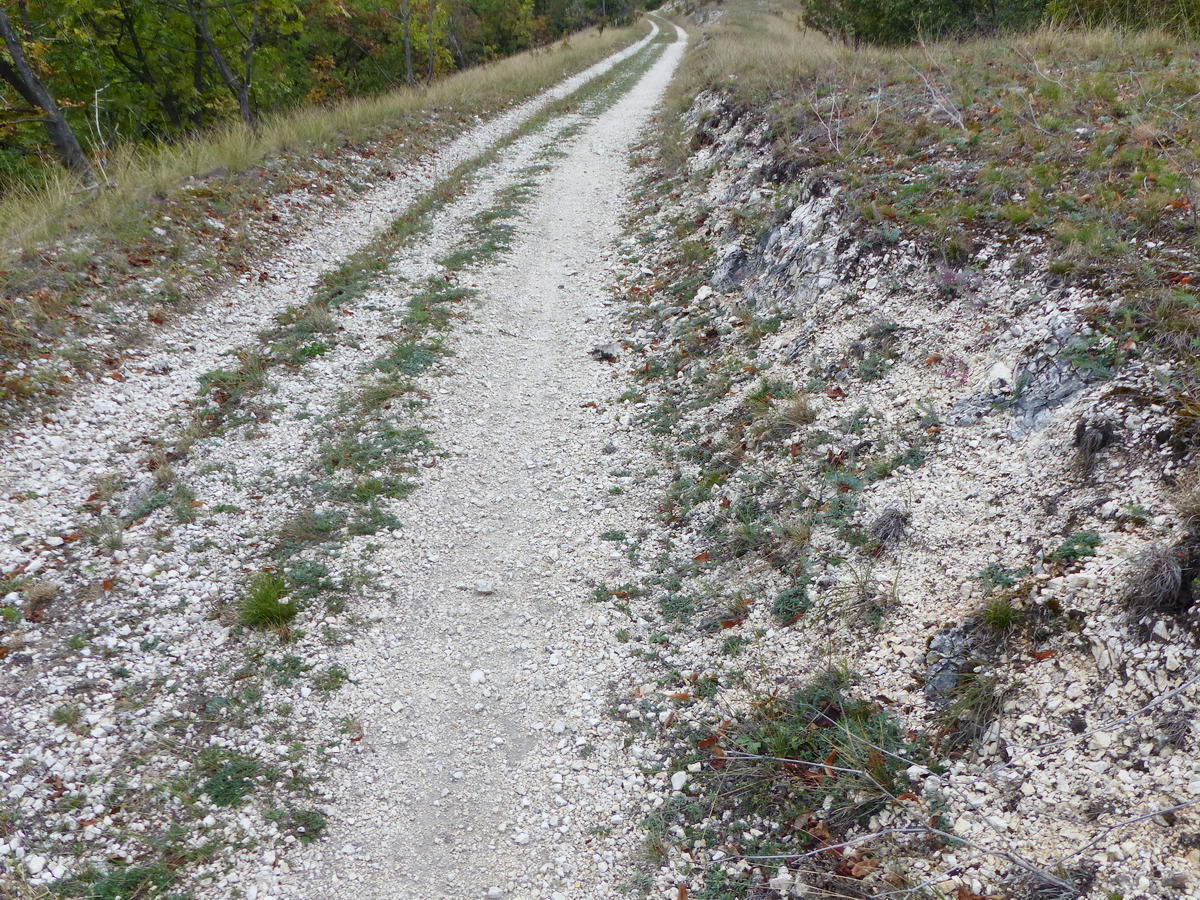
{"points": [[1157, 585], [890, 526], [1090, 438], [1186, 495]]}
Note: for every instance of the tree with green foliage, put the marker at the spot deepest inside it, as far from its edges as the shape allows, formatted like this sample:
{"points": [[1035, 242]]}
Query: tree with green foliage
{"points": [[906, 21], [85, 75], [20, 74], [233, 33]]}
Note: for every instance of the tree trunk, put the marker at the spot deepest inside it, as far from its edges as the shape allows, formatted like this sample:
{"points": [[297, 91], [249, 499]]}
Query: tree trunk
{"points": [[246, 107], [406, 18], [239, 87], [429, 40], [25, 81]]}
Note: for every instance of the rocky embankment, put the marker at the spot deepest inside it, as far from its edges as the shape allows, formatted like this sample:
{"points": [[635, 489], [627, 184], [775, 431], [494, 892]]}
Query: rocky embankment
{"points": [[921, 524]]}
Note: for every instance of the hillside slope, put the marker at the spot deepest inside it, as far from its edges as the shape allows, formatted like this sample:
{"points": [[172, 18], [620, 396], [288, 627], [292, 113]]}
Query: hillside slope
{"points": [[916, 336]]}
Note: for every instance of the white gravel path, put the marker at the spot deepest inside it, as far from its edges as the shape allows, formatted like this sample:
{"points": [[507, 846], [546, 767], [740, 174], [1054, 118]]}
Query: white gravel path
{"points": [[46, 469], [488, 766]]}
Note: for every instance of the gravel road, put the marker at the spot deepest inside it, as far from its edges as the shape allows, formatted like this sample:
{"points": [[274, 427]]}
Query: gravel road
{"points": [[489, 766], [463, 742]]}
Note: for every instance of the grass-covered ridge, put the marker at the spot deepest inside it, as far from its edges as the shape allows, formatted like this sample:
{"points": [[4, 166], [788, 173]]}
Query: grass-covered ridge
{"points": [[1075, 152], [837, 251]]}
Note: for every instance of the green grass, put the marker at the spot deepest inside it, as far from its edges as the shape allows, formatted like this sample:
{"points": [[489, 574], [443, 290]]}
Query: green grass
{"points": [[308, 577], [818, 722], [734, 644], [68, 714], [331, 679], [369, 488], [407, 358], [374, 448], [873, 367], [791, 603], [229, 777], [999, 614], [676, 606], [995, 576], [305, 529], [178, 497], [1077, 546], [371, 520], [307, 825], [225, 389], [265, 605], [124, 883], [977, 701], [286, 669]]}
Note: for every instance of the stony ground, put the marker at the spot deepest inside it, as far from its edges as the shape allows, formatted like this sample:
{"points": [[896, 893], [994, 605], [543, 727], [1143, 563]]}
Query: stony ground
{"points": [[928, 557]]}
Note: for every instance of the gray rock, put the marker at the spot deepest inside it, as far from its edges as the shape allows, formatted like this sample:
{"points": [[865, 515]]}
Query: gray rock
{"points": [[732, 270], [948, 654], [610, 352], [1041, 386]]}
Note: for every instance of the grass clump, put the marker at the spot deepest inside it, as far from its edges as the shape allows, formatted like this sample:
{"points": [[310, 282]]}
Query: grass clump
{"points": [[307, 528], [229, 777], [372, 487], [976, 702], [1077, 546], [330, 680], [266, 605], [371, 520], [999, 614], [225, 389], [407, 358], [1163, 580], [383, 448], [784, 772], [743, 527], [791, 603], [1186, 496], [995, 575], [890, 526], [123, 883], [307, 825], [69, 714]]}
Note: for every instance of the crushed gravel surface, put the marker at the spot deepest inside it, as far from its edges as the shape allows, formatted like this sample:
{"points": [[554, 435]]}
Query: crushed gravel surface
{"points": [[456, 690], [488, 766]]}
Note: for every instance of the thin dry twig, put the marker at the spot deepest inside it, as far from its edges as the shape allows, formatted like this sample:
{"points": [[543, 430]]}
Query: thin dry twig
{"points": [[941, 101], [1126, 823], [1109, 726]]}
